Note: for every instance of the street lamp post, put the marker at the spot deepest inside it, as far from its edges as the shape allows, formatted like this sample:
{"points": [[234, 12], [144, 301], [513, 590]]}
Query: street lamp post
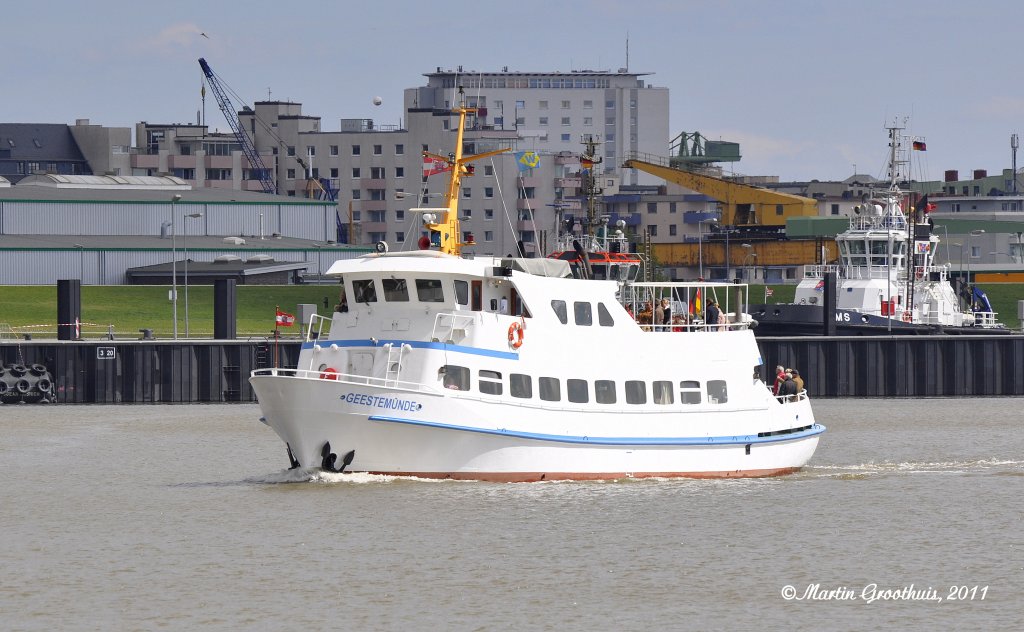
{"points": [[174, 263], [81, 262], [184, 247], [700, 242]]}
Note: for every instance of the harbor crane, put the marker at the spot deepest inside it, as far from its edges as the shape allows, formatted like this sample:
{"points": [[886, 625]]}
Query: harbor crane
{"points": [[243, 139]]}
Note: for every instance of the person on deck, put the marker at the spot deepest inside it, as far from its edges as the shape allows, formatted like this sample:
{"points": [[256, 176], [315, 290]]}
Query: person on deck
{"points": [[780, 377]]}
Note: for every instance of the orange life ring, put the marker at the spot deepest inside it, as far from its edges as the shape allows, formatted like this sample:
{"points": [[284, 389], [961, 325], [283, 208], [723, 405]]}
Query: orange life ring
{"points": [[515, 335], [907, 317], [329, 374], [919, 273]]}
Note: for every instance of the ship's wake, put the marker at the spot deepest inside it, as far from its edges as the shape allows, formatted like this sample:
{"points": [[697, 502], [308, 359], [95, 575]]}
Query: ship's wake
{"points": [[998, 467]]}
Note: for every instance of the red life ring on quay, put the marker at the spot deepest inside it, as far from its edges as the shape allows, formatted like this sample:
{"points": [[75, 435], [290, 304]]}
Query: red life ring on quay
{"points": [[515, 335]]}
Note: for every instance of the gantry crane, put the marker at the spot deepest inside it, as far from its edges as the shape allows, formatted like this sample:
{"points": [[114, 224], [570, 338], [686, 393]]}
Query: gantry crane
{"points": [[743, 205], [243, 139]]}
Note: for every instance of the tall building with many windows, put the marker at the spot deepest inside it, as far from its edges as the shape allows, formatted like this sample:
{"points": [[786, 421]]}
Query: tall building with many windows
{"points": [[375, 172]]}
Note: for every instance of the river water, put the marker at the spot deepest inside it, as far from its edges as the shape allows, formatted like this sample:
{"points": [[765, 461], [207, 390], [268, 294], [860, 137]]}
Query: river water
{"points": [[184, 518]]}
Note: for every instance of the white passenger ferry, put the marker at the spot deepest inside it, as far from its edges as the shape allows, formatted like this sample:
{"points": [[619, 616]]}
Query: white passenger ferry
{"points": [[509, 369]]}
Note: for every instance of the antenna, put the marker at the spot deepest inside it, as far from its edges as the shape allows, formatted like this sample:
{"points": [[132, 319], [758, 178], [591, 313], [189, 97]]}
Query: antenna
{"points": [[1014, 143], [627, 51]]}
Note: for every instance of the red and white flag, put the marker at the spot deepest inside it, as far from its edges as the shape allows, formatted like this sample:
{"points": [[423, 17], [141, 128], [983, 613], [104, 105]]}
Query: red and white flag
{"points": [[769, 291], [284, 320], [433, 166]]}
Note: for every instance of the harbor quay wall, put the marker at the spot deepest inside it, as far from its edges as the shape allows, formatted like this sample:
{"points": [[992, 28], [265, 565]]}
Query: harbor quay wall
{"points": [[900, 366], [162, 372]]}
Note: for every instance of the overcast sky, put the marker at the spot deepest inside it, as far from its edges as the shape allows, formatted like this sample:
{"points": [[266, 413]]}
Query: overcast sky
{"points": [[806, 87]]}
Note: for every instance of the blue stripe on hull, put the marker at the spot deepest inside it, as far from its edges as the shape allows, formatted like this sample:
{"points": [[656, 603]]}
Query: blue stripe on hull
{"points": [[816, 429], [416, 344]]}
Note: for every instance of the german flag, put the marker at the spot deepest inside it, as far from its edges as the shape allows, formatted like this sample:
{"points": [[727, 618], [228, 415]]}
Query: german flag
{"points": [[919, 145]]}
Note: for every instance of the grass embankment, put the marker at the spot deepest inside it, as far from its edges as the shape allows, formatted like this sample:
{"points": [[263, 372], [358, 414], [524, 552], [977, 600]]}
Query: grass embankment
{"points": [[33, 309]]}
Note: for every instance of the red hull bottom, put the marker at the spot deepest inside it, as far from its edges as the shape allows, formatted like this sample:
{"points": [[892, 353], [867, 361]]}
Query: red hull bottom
{"points": [[535, 477]]}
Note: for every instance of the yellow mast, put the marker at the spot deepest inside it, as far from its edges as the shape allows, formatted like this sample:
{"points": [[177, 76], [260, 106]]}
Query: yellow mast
{"points": [[447, 226]]}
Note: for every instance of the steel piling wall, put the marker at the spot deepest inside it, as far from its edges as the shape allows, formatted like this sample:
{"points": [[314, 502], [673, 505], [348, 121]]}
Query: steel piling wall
{"points": [[142, 371]]}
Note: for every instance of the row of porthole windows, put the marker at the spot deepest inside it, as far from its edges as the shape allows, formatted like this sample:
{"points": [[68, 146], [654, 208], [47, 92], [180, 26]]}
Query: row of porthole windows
{"points": [[583, 313], [577, 391]]}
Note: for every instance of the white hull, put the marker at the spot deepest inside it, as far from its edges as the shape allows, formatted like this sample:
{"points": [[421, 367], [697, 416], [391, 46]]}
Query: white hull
{"points": [[442, 435]]}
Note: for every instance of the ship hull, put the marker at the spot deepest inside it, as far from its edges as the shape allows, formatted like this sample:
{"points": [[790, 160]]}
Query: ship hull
{"points": [[430, 435], [788, 319]]}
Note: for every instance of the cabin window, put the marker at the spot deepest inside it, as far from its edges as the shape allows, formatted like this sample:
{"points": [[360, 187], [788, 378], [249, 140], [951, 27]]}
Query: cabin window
{"points": [[583, 313], [577, 391], [663, 393], [429, 290], [454, 377], [604, 391], [550, 389], [717, 393], [462, 292], [600, 272], [395, 290], [490, 382], [636, 392], [689, 392], [560, 311], [879, 252], [604, 317], [364, 291], [520, 385]]}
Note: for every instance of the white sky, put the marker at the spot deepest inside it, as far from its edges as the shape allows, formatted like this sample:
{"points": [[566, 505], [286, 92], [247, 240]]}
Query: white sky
{"points": [[805, 86]]}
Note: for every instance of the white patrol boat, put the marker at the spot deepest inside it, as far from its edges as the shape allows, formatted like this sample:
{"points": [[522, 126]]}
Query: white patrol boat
{"points": [[509, 369]]}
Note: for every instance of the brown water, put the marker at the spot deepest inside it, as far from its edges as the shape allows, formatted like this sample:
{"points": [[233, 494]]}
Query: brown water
{"points": [[182, 518]]}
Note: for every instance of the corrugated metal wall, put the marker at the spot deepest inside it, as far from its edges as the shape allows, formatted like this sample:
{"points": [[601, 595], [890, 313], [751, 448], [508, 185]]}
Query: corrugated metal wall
{"points": [[306, 221]]}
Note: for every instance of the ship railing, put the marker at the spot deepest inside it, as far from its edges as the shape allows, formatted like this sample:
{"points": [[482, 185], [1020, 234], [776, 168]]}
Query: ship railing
{"points": [[448, 325], [346, 378], [688, 301], [315, 327], [786, 399], [985, 319]]}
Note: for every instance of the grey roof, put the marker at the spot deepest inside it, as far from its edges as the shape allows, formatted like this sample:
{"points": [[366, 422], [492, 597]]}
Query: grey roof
{"points": [[223, 196], [44, 142], [155, 242], [201, 268]]}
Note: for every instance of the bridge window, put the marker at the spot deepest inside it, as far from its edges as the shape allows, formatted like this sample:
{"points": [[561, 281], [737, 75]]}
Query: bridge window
{"points": [[462, 292], [395, 290], [364, 291], [429, 290], [604, 317]]}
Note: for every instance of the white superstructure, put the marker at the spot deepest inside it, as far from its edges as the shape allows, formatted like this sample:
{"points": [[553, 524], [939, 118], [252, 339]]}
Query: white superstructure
{"points": [[510, 369]]}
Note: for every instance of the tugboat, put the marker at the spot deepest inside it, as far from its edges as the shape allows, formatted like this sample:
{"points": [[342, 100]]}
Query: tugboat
{"points": [[885, 281], [446, 365]]}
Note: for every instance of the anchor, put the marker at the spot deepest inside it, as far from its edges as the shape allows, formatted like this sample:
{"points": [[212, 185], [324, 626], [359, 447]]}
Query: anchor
{"points": [[291, 457], [330, 458]]}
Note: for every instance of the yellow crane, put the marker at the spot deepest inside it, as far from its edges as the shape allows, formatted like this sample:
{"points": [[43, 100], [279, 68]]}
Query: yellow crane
{"points": [[742, 205]]}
